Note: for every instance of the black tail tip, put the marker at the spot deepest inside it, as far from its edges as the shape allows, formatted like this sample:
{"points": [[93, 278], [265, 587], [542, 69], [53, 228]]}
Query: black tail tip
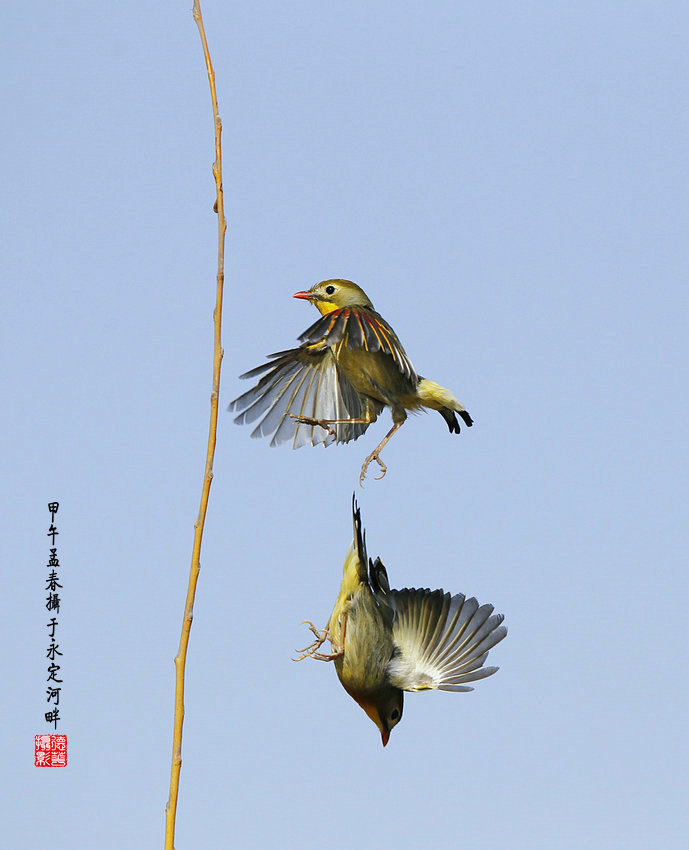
{"points": [[452, 423]]}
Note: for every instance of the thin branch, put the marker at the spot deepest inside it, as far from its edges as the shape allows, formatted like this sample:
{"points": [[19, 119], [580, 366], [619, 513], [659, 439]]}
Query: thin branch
{"points": [[180, 659]]}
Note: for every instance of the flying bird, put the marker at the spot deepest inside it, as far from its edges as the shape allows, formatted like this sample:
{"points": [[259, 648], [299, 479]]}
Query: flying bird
{"points": [[385, 642], [349, 366]]}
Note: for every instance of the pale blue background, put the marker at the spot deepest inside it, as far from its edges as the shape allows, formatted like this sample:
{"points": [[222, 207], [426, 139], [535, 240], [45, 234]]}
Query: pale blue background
{"points": [[508, 182]]}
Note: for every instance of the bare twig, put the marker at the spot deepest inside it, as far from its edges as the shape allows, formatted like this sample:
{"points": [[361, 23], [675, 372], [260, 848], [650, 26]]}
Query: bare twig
{"points": [[180, 659]]}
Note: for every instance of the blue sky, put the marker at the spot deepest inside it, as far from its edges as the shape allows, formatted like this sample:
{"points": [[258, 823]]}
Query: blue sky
{"points": [[509, 185]]}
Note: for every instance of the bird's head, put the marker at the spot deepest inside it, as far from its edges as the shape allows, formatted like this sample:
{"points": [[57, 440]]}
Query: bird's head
{"points": [[329, 295], [384, 709]]}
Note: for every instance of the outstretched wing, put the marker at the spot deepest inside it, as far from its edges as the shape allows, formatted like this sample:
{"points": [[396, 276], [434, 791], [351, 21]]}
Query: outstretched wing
{"points": [[442, 641], [306, 382], [359, 327]]}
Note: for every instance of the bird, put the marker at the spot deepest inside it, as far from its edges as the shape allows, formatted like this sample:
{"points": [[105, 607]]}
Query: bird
{"points": [[385, 642], [349, 367]]}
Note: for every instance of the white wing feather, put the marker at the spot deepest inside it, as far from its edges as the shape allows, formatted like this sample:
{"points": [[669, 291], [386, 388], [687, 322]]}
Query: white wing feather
{"points": [[441, 641]]}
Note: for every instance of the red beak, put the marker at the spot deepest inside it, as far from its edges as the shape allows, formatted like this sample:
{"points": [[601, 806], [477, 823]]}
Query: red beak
{"points": [[385, 735], [305, 295]]}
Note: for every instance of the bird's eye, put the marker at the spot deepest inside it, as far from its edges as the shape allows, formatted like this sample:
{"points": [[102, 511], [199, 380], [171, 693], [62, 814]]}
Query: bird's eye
{"points": [[394, 714], [329, 289]]}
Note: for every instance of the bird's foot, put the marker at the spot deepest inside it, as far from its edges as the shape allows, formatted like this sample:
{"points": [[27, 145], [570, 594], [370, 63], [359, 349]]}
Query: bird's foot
{"points": [[311, 651], [364, 468], [321, 423]]}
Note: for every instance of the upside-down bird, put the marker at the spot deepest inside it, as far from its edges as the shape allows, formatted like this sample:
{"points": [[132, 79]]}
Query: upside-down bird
{"points": [[349, 366], [385, 642]]}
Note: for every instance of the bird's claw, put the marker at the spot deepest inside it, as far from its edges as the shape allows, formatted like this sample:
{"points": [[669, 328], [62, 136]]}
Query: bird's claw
{"points": [[320, 634], [364, 468], [311, 651], [305, 420]]}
